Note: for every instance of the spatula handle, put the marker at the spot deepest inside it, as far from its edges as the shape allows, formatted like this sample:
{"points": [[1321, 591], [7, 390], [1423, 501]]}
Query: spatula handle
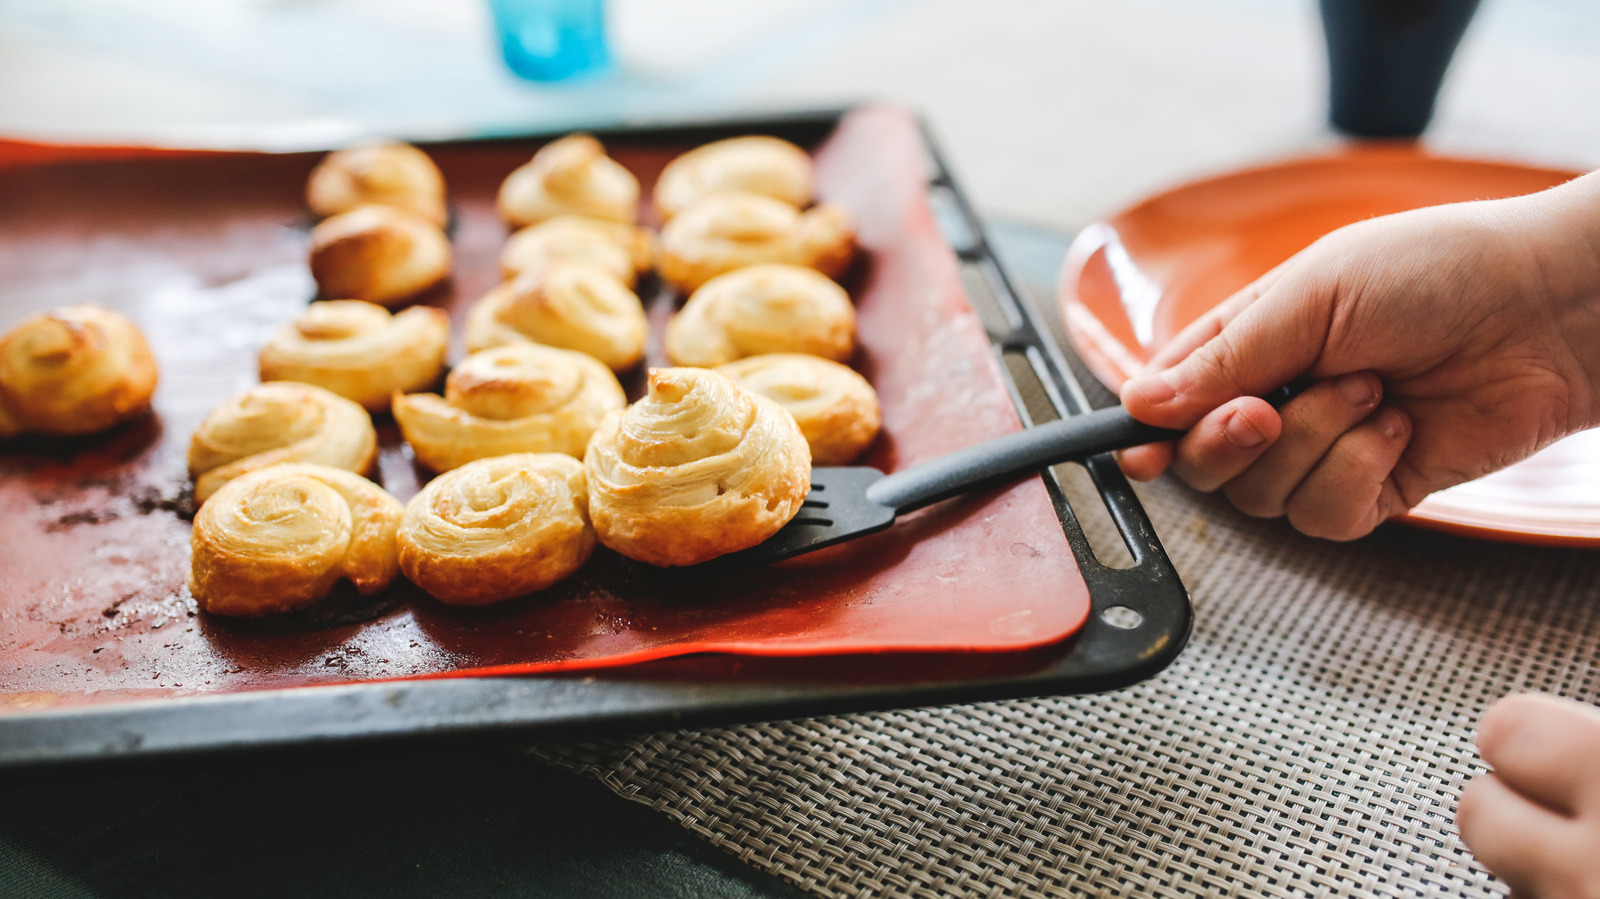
{"points": [[996, 461]]}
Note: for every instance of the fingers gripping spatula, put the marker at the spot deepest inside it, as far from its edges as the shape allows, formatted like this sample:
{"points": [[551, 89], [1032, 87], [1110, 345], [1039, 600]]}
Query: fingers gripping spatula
{"points": [[849, 502]]}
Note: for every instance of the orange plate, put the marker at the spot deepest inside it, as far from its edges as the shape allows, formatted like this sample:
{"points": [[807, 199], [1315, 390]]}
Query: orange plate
{"points": [[1131, 282], [207, 252]]}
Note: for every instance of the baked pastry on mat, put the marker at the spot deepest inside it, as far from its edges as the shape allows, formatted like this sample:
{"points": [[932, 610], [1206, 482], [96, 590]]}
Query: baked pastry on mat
{"points": [[522, 398], [360, 351], [763, 309], [278, 422], [380, 254], [385, 174], [570, 176], [697, 468], [755, 164], [74, 370], [497, 528], [624, 251], [569, 305], [834, 406], [725, 231], [279, 538]]}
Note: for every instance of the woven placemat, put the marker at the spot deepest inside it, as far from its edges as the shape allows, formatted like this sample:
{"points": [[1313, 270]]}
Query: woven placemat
{"points": [[1311, 740]]}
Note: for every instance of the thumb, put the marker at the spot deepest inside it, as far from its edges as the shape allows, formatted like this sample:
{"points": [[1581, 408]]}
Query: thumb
{"points": [[1268, 344]]}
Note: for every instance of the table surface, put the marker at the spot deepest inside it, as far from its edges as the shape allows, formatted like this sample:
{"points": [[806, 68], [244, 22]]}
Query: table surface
{"points": [[1312, 739]]}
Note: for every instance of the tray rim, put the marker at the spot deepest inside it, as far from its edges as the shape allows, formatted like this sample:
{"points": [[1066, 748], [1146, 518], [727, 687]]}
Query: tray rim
{"points": [[1097, 658]]}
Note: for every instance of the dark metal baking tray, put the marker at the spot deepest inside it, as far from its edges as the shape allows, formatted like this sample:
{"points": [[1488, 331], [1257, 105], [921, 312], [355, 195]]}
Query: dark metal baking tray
{"points": [[1139, 619]]}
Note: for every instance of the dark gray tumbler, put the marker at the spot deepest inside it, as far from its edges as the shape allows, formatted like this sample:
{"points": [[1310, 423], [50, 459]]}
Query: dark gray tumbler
{"points": [[1386, 59]]}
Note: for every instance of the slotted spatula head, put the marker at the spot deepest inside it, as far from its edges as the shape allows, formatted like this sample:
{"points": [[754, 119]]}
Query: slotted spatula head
{"points": [[837, 509]]}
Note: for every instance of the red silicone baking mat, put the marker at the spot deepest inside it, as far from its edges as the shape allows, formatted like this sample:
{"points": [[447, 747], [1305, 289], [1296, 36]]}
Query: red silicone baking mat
{"points": [[206, 251]]}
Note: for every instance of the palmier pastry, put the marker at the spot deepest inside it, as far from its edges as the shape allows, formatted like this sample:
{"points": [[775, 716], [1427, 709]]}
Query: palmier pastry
{"points": [[384, 174], [497, 528], [835, 407], [522, 398], [278, 539], [763, 309], [569, 305], [279, 422], [698, 468], [75, 370], [726, 231], [570, 176], [360, 351], [379, 254], [624, 251], [757, 164]]}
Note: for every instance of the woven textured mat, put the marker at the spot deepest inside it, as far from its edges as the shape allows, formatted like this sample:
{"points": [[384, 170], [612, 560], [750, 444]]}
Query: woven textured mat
{"points": [[1312, 739]]}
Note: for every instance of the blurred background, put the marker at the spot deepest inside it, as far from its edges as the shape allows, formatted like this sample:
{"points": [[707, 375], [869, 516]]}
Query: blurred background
{"points": [[1053, 113]]}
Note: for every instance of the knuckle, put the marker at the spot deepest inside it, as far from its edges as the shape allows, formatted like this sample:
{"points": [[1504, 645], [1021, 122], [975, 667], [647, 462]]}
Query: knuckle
{"points": [[1219, 360], [1197, 478], [1329, 522], [1253, 501]]}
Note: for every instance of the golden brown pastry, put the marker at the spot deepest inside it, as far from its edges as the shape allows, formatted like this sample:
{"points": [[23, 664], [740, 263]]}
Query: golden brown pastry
{"points": [[379, 254], [698, 468], [522, 398], [624, 251], [360, 351], [497, 528], [834, 406], [279, 422], [763, 309], [74, 370], [726, 231], [756, 164], [570, 176], [569, 305], [280, 538], [384, 174]]}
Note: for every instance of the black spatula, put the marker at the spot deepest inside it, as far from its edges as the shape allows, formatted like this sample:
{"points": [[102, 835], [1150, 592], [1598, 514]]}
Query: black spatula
{"points": [[850, 502]]}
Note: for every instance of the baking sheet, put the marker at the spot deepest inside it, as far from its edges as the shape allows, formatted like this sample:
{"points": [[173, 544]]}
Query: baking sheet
{"points": [[207, 252]]}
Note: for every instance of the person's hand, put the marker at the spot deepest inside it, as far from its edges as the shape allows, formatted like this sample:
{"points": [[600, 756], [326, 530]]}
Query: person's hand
{"points": [[1445, 343], [1535, 821]]}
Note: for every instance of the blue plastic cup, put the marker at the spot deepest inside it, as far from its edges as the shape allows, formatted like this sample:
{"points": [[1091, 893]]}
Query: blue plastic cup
{"points": [[552, 40]]}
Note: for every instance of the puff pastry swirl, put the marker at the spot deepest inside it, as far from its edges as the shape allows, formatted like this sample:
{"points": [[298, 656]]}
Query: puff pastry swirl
{"points": [[725, 231], [755, 164], [697, 468], [497, 528], [569, 305], [624, 251], [385, 174], [279, 422], [570, 176], [763, 309], [834, 406], [75, 370], [359, 350], [380, 254], [522, 398], [280, 538]]}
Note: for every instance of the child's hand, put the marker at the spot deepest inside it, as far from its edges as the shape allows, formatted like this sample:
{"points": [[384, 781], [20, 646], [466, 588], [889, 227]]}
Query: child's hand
{"points": [[1535, 821]]}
